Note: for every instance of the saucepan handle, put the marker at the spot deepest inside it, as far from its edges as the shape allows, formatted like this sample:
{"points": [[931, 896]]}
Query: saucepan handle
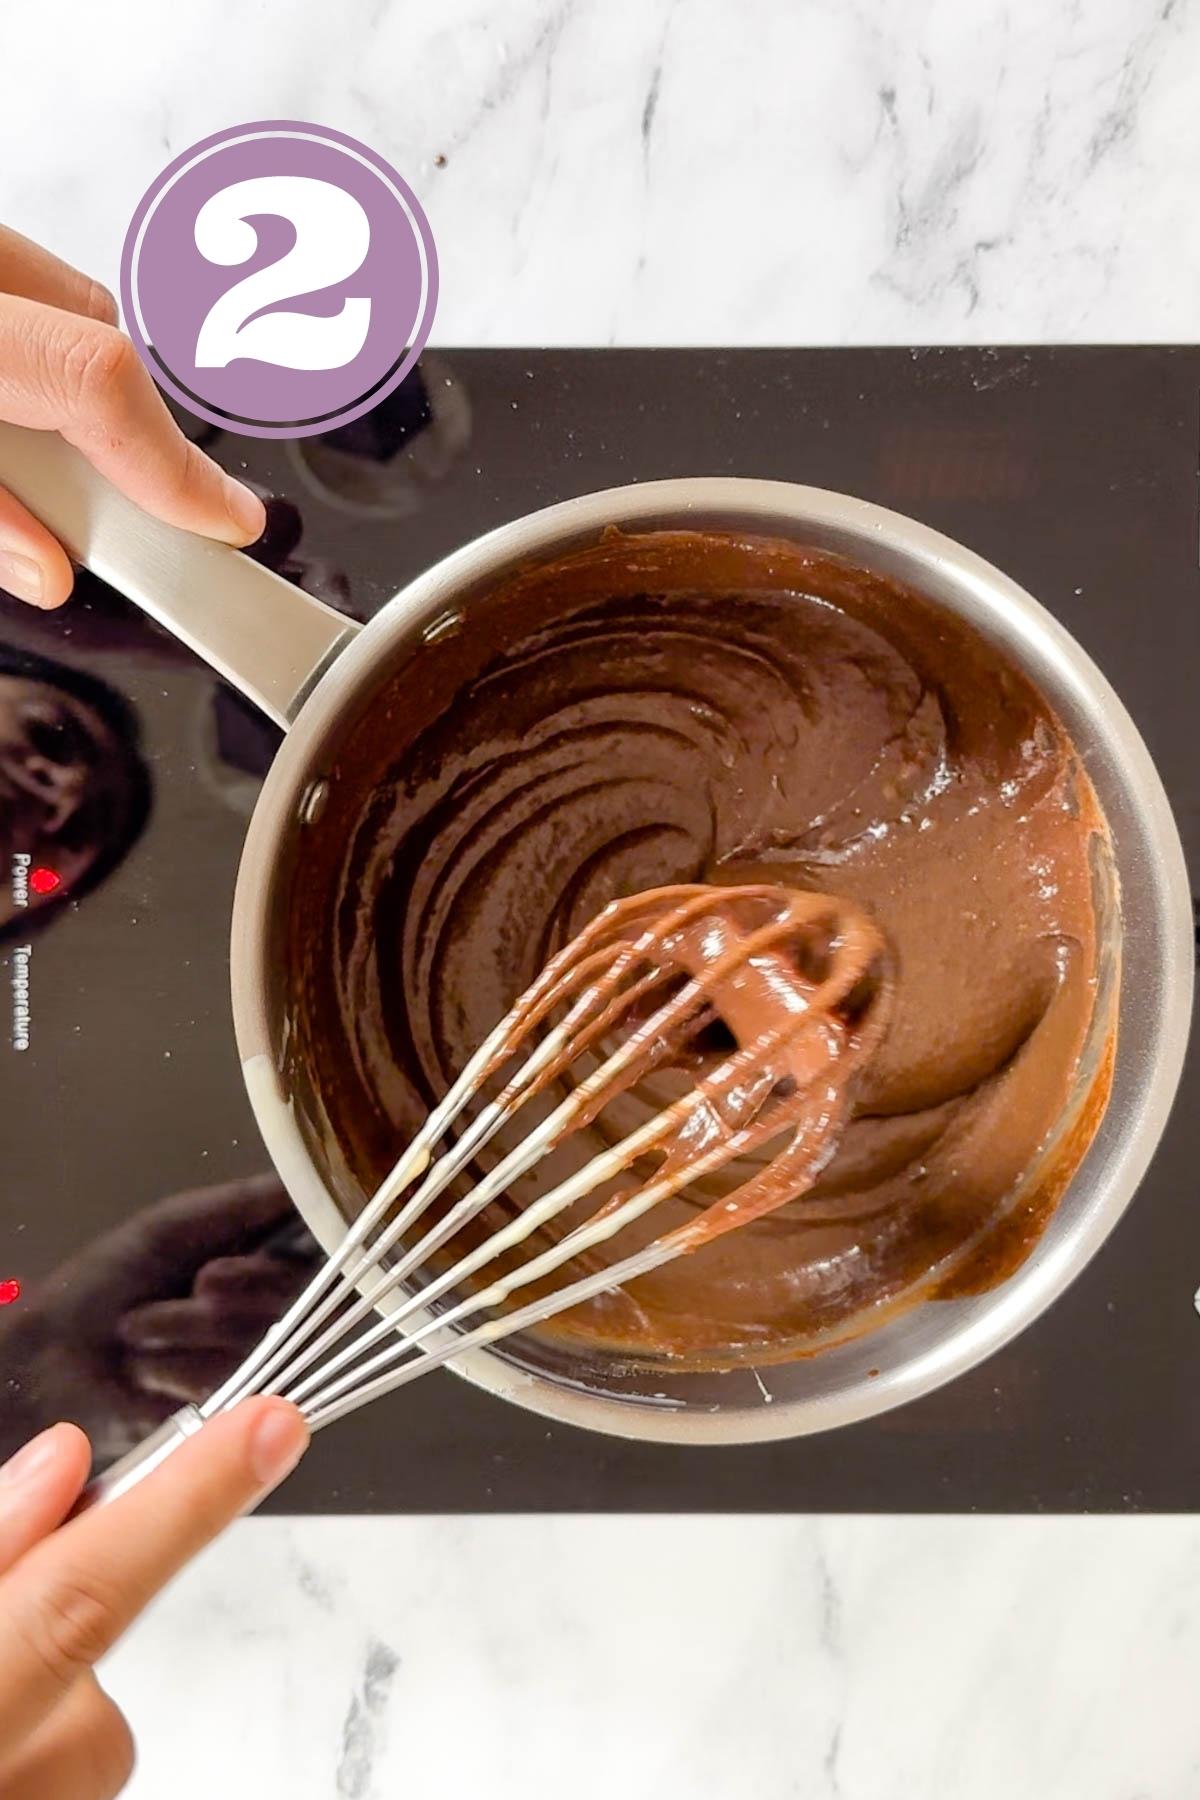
{"points": [[260, 632]]}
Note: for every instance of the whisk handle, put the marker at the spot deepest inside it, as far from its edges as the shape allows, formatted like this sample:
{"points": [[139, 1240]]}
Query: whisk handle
{"points": [[130, 1469]]}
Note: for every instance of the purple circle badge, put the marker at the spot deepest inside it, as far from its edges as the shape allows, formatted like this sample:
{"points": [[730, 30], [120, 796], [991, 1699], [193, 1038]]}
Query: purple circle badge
{"points": [[279, 279]]}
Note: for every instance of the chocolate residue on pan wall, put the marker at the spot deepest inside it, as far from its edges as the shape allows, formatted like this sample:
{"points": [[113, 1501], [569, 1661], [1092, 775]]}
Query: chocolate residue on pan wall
{"points": [[682, 707]]}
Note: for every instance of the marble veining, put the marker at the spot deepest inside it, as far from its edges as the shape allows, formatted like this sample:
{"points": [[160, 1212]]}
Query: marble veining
{"points": [[676, 1659], [364, 1732], [649, 171], [676, 171]]}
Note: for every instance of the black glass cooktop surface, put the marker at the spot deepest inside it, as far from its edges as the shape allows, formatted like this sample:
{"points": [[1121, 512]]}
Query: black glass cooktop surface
{"points": [[139, 1221]]}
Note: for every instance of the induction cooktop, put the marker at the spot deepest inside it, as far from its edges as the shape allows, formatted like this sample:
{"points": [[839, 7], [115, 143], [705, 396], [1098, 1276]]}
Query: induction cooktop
{"points": [[143, 1242]]}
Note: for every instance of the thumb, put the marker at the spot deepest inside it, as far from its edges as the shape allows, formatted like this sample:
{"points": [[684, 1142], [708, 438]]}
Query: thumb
{"points": [[67, 1602], [83, 378]]}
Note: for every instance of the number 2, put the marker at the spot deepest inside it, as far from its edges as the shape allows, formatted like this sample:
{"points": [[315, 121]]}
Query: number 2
{"points": [[333, 235]]}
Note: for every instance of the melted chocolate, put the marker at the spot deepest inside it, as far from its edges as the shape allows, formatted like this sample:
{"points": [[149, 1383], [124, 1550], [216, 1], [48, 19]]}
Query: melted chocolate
{"points": [[768, 1001], [677, 707]]}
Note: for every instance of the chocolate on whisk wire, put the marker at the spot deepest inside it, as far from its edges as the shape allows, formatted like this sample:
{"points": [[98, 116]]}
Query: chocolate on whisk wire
{"points": [[798, 987]]}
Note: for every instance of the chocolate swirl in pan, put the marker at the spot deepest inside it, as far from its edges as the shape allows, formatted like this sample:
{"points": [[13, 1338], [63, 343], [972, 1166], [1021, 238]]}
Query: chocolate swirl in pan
{"points": [[678, 708]]}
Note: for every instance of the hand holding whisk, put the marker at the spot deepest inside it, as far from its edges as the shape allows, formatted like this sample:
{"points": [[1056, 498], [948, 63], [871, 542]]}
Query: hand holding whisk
{"points": [[791, 988]]}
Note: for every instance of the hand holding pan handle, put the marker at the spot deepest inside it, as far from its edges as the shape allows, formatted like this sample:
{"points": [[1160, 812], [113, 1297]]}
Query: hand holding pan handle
{"points": [[265, 636]]}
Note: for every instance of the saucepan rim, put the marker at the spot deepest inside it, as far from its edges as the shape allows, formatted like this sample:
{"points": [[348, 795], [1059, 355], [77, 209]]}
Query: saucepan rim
{"points": [[944, 1338]]}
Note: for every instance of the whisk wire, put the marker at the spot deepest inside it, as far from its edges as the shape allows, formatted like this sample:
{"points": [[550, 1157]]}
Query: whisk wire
{"points": [[657, 967]]}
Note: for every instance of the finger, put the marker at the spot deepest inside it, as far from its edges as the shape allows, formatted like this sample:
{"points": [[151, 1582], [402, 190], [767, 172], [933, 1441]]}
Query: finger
{"points": [[33, 565], [231, 1216], [249, 1282], [66, 1603], [28, 270], [181, 1375], [82, 1751], [150, 1253], [178, 1325], [59, 372], [207, 1322], [38, 1487]]}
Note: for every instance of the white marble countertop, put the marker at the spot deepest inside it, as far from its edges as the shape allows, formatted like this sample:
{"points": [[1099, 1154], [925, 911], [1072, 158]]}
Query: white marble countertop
{"points": [[676, 171]]}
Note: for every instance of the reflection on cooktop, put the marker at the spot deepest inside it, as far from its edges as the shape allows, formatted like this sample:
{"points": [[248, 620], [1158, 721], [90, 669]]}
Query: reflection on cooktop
{"points": [[150, 1245], [382, 465]]}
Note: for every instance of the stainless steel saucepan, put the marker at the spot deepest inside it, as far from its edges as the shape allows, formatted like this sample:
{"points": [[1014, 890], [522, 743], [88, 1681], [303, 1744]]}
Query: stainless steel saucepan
{"points": [[312, 671]]}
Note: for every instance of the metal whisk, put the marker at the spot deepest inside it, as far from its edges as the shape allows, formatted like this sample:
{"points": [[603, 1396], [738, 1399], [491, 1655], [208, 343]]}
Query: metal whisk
{"points": [[770, 999]]}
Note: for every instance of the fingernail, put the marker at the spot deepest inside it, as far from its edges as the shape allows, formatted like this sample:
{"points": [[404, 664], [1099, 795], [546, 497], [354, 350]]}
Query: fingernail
{"points": [[21, 576], [245, 509], [31, 1459], [279, 1441]]}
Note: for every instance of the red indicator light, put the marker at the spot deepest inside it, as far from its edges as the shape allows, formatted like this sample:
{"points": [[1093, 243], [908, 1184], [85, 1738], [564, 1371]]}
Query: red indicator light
{"points": [[9, 1291], [44, 881]]}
